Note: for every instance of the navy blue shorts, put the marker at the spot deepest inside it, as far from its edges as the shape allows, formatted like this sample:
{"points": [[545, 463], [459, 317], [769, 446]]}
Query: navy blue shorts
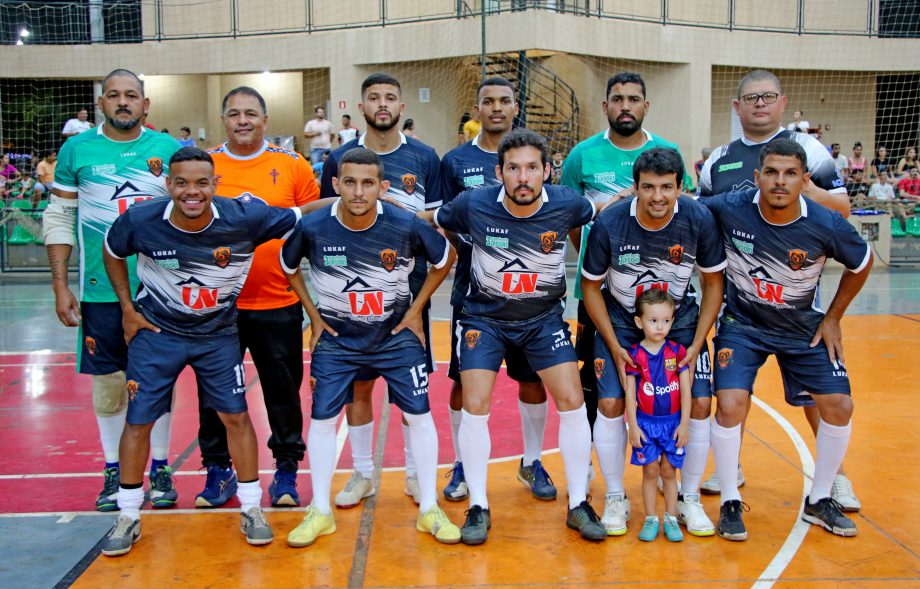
{"points": [[368, 372], [102, 340], [155, 361], [545, 342], [659, 439], [515, 362], [739, 354], [400, 360], [608, 381]]}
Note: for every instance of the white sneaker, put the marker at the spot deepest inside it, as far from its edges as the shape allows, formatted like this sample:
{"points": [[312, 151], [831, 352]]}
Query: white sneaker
{"points": [[412, 489], [357, 488], [661, 486], [691, 514], [711, 485], [616, 514], [842, 493]]}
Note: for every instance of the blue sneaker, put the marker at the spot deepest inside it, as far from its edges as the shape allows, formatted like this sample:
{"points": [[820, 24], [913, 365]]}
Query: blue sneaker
{"points": [[162, 491], [108, 497], [456, 489], [283, 489], [219, 487], [649, 530], [537, 479]]}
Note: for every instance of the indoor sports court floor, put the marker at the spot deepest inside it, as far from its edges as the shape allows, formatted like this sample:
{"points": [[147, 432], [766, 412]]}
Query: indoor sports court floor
{"points": [[50, 464]]}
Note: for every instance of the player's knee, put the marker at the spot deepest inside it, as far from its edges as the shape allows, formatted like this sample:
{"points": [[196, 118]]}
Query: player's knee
{"points": [[666, 469], [650, 471], [531, 392], [110, 397], [836, 409], [731, 408], [235, 421], [456, 396], [700, 407], [611, 408]]}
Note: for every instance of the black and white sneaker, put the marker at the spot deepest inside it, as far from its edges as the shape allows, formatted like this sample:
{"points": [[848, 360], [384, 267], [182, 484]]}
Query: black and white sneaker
{"points": [[731, 527], [828, 514]]}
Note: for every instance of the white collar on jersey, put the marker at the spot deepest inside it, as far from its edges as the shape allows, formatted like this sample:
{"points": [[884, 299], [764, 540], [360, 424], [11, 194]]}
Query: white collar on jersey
{"points": [[402, 141], [648, 137], [335, 207], [803, 207], [168, 211], [635, 203], [475, 142], [747, 141], [226, 149], [501, 198], [100, 132]]}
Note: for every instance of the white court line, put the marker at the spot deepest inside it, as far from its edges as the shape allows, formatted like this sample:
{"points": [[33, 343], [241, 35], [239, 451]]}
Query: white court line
{"points": [[796, 536]]}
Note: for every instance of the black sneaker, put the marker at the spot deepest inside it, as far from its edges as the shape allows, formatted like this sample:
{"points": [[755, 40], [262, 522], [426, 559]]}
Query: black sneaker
{"points": [[730, 525], [476, 528], [583, 519], [828, 514]]}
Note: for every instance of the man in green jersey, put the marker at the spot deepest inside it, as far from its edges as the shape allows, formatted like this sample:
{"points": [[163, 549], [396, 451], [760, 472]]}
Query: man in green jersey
{"points": [[100, 173]]}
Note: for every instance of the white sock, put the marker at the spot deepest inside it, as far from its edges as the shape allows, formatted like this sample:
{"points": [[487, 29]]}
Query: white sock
{"points": [[110, 428], [610, 442], [533, 424], [424, 441], [695, 459], [830, 447], [159, 437], [249, 494], [475, 447], [321, 450], [726, 448], [411, 471], [362, 440], [130, 501], [575, 447], [455, 433]]}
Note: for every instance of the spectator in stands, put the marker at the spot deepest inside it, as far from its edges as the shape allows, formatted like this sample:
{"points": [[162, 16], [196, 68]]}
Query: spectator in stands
{"points": [[319, 131], [698, 166], [856, 186], [909, 186], [78, 125], [797, 123], [185, 137], [409, 128], [461, 134], [7, 170], [164, 130], [858, 161], [347, 132], [318, 166], [880, 163], [44, 176], [881, 189], [841, 162], [908, 161]]}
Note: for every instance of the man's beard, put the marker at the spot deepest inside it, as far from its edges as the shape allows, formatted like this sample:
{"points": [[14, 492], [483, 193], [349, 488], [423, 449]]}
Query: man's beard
{"points": [[627, 127], [372, 122], [122, 125]]}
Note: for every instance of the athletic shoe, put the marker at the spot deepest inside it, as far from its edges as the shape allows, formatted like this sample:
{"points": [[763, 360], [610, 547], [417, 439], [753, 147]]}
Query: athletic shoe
{"points": [[283, 489], [537, 480], [827, 514], [357, 488], [672, 529], [219, 487], [731, 527], [255, 528], [108, 497], [661, 486], [475, 529], [436, 523], [711, 485], [162, 492], [314, 524], [649, 531], [412, 489], [842, 493], [690, 512], [456, 489], [616, 514], [124, 534], [585, 520]]}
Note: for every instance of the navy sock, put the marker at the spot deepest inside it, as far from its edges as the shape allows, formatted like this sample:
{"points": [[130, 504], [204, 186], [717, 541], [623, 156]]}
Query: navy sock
{"points": [[111, 465], [155, 464]]}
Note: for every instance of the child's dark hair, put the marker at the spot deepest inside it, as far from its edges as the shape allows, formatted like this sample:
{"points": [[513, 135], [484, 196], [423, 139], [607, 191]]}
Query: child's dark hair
{"points": [[653, 296]]}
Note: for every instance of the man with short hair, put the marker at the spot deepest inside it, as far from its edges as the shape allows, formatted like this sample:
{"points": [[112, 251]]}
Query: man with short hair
{"points": [[186, 137], [776, 243], [98, 176], [855, 184], [841, 163], [77, 125], [909, 187], [270, 317], [797, 123], [319, 131], [347, 132]]}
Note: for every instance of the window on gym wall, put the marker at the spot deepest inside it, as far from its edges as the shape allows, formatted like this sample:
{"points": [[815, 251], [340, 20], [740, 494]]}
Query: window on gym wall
{"points": [[53, 22], [898, 18]]}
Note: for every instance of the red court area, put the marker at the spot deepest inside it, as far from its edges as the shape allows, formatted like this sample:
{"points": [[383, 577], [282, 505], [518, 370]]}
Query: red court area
{"points": [[50, 433]]}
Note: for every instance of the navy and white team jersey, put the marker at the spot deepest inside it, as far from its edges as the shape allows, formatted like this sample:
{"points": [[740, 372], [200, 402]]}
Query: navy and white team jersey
{"points": [[463, 168], [518, 264], [773, 270], [731, 167], [190, 280], [361, 277], [631, 258]]}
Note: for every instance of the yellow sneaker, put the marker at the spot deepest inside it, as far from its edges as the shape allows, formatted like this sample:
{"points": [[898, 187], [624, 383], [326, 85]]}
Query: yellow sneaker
{"points": [[436, 522], [314, 524]]}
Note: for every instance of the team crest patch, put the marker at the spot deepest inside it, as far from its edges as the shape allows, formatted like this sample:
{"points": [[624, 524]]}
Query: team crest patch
{"points": [[640, 456], [724, 357], [676, 253], [90, 344], [388, 259], [408, 181], [132, 387], [670, 364], [548, 241], [221, 256], [797, 259], [599, 367], [471, 338], [155, 165]]}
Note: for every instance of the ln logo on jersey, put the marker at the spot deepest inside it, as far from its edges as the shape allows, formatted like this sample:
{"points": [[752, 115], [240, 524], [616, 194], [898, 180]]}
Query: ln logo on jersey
{"points": [[767, 289], [548, 241], [364, 301], [388, 259], [221, 256], [797, 259], [517, 278], [197, 296], [647, 280], [128, 194], [90, 344], [471, 338], [599, 368], [155, 165], [132, 387], [408, 181], [724, 357], [676, 253]]}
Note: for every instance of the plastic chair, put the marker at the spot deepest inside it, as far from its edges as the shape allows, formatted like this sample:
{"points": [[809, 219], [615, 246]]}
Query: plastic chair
{"points": [[896, 230], [19, 235], [913, 226]]}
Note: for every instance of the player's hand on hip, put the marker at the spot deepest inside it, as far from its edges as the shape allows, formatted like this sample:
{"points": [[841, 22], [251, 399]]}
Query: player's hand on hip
{"points": [[132, 322], [413, 323], [316, 331], [829, 331], [67, 307]]}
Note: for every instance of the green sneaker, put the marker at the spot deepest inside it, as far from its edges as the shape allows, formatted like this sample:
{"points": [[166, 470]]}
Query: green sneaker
{"points": [[649, 530], [108, 497], [162, 491]]}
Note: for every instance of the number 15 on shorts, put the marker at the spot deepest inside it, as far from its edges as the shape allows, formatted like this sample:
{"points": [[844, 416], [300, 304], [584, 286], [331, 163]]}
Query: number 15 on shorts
{"points": [[419, 380]]}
